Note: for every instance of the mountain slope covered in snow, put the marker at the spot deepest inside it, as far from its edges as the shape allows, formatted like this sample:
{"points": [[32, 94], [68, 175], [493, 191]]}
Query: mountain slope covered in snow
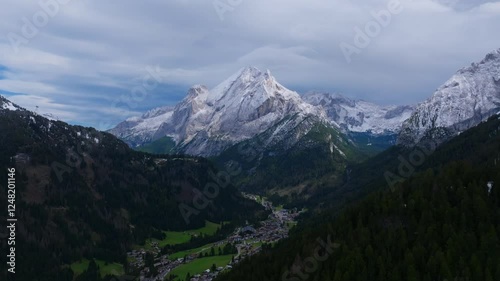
{"points": [[360, 116], [208, 121], [469, 97], [5, 104]]}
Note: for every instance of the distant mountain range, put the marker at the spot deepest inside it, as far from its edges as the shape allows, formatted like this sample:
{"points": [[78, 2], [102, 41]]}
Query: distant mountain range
{"points": [[207, 122], [360, 116]]}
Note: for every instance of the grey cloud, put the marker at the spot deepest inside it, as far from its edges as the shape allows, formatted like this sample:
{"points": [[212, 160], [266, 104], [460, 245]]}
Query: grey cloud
{"points": [[92, 49]]}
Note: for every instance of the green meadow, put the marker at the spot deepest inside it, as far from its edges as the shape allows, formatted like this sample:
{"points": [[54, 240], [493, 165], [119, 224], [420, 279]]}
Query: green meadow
{"points": [[180, 237], [197, 266], [203, 249], [105, 269]]}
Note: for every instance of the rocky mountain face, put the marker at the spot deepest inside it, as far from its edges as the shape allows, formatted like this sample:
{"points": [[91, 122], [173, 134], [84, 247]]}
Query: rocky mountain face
{"points": [[301, 154], [469, 97], [247, 104], [208, 121], [137, 131], [251, 101], [360, 116]]}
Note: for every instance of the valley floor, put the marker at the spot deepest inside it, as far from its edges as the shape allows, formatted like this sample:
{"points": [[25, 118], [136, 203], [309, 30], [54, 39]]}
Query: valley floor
{"points": [[199, 265]]}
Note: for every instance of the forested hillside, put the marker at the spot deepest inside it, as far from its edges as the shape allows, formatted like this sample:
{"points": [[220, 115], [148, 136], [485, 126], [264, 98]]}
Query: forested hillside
{"points": [[322, 151], [442, 223], [81, 193], [393, 165]]}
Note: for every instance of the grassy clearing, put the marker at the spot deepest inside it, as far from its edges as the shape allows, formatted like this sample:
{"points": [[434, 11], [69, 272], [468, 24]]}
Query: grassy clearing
{"points": [[174, 238], [171, 238], [181, 237], [105, 269], [203, 249], [197, 266], [209, 229]]}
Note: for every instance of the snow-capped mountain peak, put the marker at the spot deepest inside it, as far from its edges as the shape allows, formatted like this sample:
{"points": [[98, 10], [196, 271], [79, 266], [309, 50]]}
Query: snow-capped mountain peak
{"points": [[467, 98], [250, 80], [206, 121]]}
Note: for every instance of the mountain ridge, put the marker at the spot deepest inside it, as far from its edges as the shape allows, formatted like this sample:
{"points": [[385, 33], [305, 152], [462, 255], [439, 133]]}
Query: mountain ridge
{"points": [[206, 122], [469, 97], [244, 105], [359, 115]]}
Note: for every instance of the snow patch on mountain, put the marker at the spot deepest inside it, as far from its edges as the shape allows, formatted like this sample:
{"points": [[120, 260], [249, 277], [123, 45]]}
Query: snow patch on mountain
{"points": [[469, 97], [51, 117], [7, 105], [359, 115]]}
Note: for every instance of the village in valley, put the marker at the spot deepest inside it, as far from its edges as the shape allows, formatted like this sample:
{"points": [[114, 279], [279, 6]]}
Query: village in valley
{"points": [[245, 241]]}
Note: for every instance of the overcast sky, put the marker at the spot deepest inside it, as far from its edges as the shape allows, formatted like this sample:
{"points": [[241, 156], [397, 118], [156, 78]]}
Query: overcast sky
{"points": [[87, 61]]}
